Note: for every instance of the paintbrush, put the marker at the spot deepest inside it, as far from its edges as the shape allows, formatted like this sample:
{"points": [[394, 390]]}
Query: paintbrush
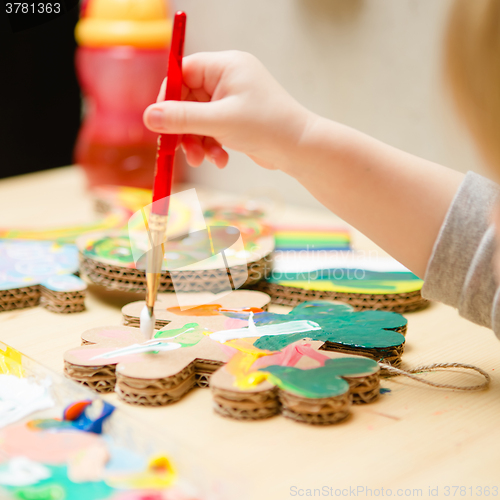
{"points": [[167, 145]]}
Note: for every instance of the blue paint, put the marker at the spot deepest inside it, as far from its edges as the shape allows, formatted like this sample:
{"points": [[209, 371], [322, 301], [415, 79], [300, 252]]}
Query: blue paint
{"points": [[123, 460], [28, 263], [90, 424]]}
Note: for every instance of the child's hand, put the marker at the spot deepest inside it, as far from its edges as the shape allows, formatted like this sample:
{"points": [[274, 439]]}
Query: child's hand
{"points": [[234, 103], [398, 200]]}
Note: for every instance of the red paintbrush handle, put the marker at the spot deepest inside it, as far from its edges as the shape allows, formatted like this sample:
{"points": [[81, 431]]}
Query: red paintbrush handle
{"points": [[163, 182], [174, 81], [167, 143]]}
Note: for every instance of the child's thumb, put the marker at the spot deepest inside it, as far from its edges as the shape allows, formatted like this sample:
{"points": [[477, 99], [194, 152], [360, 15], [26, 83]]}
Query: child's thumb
{"points": [[184, 117]]}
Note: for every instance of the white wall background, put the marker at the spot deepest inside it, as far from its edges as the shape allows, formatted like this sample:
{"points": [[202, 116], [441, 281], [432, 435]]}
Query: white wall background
{"points": [[372, 64]]}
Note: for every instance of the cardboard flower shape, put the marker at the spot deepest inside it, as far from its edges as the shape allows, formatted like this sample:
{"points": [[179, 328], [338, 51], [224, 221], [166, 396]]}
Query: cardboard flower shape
{"points": [[162, 370], [301, 382], [219, 344], [376, 334], [155, 372]]}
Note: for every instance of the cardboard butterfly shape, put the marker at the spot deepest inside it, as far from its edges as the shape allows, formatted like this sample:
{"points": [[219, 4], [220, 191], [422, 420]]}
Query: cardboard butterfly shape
{"points": [[306, 379], [33, 272]]}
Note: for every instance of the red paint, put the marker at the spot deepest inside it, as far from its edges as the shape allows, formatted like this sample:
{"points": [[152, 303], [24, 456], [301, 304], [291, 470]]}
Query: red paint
{"points": [[74, 410], [248, 309]]}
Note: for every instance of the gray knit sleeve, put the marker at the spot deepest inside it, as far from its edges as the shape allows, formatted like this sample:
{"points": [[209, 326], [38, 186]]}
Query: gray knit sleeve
{"points": [[460, 271]]}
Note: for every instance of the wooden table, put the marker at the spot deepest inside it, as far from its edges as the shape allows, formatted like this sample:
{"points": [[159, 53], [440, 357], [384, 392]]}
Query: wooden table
{"points": [[413, 438]]}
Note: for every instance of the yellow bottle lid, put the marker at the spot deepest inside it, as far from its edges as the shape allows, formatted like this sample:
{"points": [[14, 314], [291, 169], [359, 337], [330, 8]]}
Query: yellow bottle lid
{"points": [[140, 23]]}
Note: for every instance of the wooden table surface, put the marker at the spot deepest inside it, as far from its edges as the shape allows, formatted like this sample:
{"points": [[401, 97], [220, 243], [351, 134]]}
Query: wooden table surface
{"points": [[413, 438]]}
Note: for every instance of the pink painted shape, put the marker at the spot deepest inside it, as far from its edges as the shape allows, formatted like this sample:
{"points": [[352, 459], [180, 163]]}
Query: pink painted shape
{"points": [[235, 323], [45, 446], [307, 350], [283, 358], [290, 356]]}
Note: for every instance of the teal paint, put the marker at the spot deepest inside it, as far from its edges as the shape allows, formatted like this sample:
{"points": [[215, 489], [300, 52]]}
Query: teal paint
{"points": [[322, 382], [339, 323], [59, 487]]}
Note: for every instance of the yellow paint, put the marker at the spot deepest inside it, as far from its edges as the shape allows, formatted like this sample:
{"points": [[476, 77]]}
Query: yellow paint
{"points": [[369, 287], [67, 234], [11, 361], [132, 198], [145, 219], [211, 241], [240, 365], [161, 464], [246, 346], [253, 379], [159, 475]]}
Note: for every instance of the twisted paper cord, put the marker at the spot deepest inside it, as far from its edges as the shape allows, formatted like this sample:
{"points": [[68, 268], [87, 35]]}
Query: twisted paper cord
{"points": [[434, 366]]}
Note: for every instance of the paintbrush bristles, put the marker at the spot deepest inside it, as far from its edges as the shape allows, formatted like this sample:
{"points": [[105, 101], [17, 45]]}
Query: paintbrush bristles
{"points": [[148, 321], [156, 232], [152, 283]]}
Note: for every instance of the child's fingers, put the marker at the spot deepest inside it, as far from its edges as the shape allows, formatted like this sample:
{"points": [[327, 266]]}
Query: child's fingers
{"points": [[163, 89], [198, 148], [221, 157], [185, 117], [194, 150], [201, 73], [199, 95], [186, 94], [214, 152], [204, 70]]}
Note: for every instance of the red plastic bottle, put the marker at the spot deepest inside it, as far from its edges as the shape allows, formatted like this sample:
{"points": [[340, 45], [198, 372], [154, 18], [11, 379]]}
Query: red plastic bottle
{"points": [[121, 62]]}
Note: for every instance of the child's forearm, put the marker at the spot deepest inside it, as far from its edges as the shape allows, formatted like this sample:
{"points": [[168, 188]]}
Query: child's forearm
{"points": [[396, 199]]}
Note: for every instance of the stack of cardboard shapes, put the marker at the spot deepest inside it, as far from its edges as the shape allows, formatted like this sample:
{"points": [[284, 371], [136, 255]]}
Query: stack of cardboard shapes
{"points": [[115, 269], [360, 280], [310, 371], [40, 272], [318, 388], [63, 294]]}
